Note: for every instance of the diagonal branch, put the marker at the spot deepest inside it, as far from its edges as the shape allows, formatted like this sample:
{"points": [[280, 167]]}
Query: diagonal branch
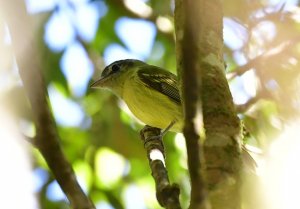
{"points": [[242, 108], [273, 54], [30, 68]]}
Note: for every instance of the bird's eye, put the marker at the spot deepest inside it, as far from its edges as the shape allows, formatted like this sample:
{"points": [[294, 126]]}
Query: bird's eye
{"points": [[115, 68]]}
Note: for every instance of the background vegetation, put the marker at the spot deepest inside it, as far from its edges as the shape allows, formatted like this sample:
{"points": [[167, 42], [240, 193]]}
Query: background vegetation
{"points": [[100, 137]]}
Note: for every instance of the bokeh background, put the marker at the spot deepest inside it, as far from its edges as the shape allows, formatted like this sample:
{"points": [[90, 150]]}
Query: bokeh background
{"points": [[100, 137]]}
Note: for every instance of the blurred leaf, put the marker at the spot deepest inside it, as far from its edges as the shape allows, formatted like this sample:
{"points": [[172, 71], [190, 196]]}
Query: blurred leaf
{"points": [[105, 149], [84, 174], [110, 167]]}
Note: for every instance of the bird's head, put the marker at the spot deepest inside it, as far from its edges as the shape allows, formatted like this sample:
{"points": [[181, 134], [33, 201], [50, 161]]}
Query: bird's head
{"points": [[116, 73]]}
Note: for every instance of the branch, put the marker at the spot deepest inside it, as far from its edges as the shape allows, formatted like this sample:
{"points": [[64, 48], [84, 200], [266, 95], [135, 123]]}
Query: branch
{"points": [[30, 68], [273, 54], [242, 108], [30, 140], [187, 57], [166, 194]]}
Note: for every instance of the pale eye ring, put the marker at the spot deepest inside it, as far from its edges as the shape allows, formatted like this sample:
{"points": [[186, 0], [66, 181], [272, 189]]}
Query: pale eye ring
{"points": [[115, 68]]}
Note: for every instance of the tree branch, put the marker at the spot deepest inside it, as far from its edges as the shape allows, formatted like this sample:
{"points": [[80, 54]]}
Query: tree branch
{"points": [[166, 194], [187, 54], [242, 108], [273, 54], [30, 68]]}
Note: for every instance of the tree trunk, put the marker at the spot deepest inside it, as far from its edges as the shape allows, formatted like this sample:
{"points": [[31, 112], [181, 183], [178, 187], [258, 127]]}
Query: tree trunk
{"points": [[199, 36]]}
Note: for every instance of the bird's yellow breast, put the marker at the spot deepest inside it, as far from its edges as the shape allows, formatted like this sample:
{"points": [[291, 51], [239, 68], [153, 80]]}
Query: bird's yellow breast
{"points": [[150, 106]]}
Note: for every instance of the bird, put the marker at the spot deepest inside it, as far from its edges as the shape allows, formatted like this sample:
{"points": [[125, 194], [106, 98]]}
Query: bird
{"points": [[150, 92], [152, 95]]}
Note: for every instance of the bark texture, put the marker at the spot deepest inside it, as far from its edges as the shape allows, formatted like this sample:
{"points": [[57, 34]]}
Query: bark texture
{"points": [[199, 33], [167, 194]]}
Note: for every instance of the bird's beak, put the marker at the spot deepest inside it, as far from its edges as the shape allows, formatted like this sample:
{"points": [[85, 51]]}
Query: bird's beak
{"points": [[99, 83]]}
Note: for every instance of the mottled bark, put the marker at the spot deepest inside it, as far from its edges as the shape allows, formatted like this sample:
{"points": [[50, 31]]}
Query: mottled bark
{"points": [[199, 26], [167, 194]]}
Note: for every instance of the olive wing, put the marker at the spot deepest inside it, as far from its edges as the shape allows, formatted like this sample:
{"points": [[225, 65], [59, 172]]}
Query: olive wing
{"points": [[160, 80]]}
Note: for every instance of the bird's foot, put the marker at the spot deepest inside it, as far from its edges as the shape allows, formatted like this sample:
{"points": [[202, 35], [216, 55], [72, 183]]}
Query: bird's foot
{"points": [[149, 133]]}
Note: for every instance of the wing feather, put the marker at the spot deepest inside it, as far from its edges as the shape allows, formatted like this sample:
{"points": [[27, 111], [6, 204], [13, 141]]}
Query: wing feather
{"points": [[160, 80]]}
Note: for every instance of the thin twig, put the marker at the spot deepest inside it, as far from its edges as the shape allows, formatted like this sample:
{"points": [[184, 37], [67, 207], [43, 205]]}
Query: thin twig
{"points": [[272, 54], [242, 108], [166, 194], [30, 140]]}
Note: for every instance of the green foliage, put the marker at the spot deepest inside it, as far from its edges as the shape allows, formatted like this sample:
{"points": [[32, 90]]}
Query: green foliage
{"points": [[105, 150]]}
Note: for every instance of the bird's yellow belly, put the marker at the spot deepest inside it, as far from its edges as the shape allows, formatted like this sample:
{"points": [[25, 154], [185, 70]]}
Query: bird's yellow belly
{"points": [[151, 107]]}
